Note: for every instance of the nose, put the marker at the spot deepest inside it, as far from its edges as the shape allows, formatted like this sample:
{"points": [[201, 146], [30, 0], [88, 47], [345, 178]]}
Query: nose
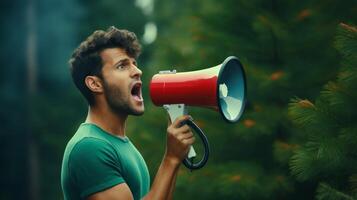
{"points": [[136, 72]]}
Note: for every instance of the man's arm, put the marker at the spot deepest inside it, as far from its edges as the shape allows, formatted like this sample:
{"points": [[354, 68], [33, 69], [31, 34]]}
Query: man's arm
{"points": [[120, 191], [173, 181], [161, 189], [172, 188], [179, 139], [163, 181]]}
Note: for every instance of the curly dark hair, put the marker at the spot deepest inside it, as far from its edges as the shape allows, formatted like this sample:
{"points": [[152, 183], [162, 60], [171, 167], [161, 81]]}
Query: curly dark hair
{"points": [[86, 60]]}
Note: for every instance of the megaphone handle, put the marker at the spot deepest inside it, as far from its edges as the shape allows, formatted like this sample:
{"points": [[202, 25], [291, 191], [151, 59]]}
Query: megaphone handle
{"points": [[175, 111], [188, 162]]}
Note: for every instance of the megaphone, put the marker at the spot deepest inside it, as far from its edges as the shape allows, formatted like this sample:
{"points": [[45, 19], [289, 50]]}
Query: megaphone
{"points": [[221, 88]]}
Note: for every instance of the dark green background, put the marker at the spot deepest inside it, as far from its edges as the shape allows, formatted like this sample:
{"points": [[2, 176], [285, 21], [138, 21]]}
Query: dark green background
{"points": [[286, 48]]}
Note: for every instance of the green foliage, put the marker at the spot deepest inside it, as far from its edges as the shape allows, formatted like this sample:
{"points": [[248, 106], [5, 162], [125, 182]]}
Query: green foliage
{"points": [[329, 126], [326, 192], [285, 48], [232, 180]]}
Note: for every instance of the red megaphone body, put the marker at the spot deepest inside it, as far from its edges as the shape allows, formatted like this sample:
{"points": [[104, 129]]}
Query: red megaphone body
{"points": [[196, 88], [222, 88]]}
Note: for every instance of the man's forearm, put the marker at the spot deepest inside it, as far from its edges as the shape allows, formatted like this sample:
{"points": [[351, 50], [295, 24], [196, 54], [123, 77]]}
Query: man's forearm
{"points": [[179, 139], [172, 187], [164, 180]]}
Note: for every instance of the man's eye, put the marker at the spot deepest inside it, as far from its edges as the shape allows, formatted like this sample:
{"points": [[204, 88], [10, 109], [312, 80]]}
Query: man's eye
{"points": [[122, 66]]}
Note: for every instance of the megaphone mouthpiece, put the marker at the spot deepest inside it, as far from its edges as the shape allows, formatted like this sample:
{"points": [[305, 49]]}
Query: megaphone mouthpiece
{"points": [[223, 90]]}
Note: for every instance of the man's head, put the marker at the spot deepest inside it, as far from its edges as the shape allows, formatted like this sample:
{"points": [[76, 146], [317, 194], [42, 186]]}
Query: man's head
{"points": [[104, 69]]}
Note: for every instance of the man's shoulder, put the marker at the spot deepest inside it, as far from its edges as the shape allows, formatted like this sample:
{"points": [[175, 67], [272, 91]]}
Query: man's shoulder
{"points": [[91, 152], [91, 146], [87, 137], [86, 143]]}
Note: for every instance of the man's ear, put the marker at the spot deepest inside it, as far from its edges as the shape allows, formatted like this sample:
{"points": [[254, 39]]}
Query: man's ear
{"points": [[94, 84]]}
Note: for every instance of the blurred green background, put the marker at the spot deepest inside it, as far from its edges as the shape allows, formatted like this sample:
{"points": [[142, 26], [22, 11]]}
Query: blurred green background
{"points": [[274, 152]]}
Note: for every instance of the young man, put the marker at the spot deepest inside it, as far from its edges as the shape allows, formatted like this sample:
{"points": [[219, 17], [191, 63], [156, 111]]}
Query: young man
{"points": [[100, 162]]}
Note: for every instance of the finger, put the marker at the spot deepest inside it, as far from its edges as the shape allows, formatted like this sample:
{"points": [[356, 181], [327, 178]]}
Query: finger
{"points": [[188, 131], [180, 120], [189, 141], [182, 135], [178, 131], [183, 129], [185, 136]]}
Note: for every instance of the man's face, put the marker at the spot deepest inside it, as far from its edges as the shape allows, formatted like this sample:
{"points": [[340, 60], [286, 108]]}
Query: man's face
{"points": [[121, 82]]}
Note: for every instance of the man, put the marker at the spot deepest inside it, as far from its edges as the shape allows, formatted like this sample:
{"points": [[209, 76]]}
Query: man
{"points": [[100, 162]]}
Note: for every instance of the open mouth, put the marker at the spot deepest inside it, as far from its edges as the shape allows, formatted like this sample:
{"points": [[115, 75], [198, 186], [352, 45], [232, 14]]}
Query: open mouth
{"points": [[136, 92]]}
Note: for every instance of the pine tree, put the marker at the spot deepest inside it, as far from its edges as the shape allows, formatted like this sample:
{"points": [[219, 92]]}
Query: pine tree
{"points": [[329, 127], [284, 47]]}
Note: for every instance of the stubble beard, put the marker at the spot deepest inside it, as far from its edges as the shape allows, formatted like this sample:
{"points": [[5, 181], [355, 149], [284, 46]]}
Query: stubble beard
{"points": [[117, 103]]}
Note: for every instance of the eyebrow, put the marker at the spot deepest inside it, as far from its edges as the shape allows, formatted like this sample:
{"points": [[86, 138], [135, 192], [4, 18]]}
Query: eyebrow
{"points": [[123, 60]]}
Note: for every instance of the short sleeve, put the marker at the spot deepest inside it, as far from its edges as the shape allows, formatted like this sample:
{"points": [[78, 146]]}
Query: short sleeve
{"points": [[94, 166]]}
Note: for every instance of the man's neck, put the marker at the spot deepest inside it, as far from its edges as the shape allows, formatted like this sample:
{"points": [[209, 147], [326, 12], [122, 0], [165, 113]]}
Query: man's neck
{"points": [[107, 120]]}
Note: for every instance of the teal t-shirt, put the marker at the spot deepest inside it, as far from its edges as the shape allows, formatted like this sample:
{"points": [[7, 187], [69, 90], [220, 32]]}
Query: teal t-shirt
{"points": [[95, 160]]}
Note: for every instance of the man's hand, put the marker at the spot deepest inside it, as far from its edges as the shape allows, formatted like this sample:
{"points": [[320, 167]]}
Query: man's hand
{"points": [[179, 139]]}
